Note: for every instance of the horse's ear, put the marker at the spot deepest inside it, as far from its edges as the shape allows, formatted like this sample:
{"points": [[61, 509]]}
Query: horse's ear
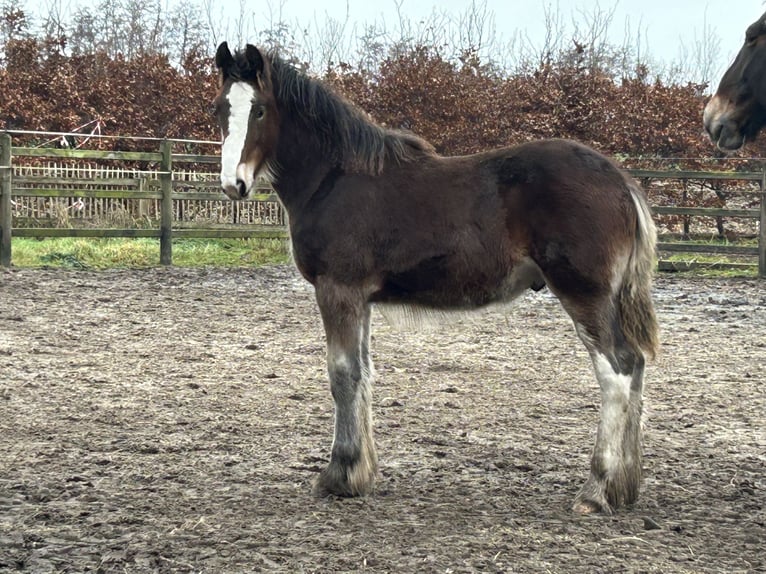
{"points": [[756, 29], [259, 64], [223, 58]]}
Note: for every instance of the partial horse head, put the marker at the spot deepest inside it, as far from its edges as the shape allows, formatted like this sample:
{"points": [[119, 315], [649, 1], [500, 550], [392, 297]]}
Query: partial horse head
{"points": [[737, 111], [248, 117]]}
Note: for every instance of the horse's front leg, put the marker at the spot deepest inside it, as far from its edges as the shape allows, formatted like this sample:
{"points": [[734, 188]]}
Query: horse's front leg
{"points": [[353, 462]]}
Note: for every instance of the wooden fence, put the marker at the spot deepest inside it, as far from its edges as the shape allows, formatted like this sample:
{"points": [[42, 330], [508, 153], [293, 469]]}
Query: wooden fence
{"points": [[166, 195], [155, 181]]}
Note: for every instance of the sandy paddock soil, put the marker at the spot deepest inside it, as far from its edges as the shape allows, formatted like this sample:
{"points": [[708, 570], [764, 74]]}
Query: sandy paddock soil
{"points": [[171, 420]]}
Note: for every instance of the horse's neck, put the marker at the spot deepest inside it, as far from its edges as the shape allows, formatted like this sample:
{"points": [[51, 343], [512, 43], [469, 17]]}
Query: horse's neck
{"points": [[301, 166]]}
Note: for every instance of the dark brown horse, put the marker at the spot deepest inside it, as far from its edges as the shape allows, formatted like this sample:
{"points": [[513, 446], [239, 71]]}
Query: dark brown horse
{"points": [[376, 216], [737, 111]]}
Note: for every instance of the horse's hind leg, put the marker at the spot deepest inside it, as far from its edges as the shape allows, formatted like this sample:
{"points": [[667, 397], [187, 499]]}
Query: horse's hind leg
{"points": [[353, 462], [616, 464]]}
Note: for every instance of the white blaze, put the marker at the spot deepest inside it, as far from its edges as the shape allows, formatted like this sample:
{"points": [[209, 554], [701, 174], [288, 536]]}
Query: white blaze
{"points": [[240, 98]]}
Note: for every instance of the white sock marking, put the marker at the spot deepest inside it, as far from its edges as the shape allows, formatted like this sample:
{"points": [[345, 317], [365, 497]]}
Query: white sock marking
{"points": [[615, 397]]}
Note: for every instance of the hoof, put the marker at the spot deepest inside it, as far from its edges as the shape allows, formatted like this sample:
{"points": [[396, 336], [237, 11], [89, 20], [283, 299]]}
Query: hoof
{"points": [[604, 493], [586, 507], [592, 499], [344, 482], [322, 488]]}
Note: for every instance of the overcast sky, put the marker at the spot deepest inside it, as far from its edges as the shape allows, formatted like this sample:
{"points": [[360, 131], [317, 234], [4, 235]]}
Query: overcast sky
{"points": [[664, 25]]}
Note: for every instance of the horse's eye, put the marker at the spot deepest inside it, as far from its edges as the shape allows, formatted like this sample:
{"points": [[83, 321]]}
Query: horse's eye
{"points": [[259, 113]]}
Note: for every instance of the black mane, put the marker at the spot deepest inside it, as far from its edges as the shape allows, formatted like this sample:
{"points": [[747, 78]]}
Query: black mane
{"points": [[358, 144]]}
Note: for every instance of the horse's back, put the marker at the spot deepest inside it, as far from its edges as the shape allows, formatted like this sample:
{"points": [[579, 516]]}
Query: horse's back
{"points": [[559, 172]]}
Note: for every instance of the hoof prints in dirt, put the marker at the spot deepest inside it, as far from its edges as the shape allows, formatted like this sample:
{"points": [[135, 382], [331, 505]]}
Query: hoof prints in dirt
{"points": [[172, 420]]}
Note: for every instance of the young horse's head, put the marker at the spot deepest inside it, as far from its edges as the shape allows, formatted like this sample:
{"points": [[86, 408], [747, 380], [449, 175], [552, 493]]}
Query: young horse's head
{"points": [[247, 114], [737, 111], [277, 122]]}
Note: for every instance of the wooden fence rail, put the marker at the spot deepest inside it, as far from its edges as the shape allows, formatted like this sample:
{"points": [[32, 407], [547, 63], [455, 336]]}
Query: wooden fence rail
{"points": [[158, 184]]}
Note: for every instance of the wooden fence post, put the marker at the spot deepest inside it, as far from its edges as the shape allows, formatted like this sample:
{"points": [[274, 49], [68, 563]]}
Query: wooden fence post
{"points": [[6, 219], [166, 208], [762, 228]]}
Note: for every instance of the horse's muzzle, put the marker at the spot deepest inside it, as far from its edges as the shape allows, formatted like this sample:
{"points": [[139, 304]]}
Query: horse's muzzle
{"points": [[726, 136], [236, 192], [719, 125]]}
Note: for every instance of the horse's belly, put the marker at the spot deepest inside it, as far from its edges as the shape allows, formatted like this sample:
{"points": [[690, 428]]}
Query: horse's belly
{"points": [[435, 285]]}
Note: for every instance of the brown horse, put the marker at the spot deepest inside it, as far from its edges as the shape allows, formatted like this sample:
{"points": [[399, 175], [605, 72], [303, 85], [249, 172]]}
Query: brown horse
{"points": [[376, 216], [737, 111]]}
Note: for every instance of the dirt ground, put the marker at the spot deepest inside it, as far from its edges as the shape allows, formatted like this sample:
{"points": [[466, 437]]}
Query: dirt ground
{"points": [[171, 420]]}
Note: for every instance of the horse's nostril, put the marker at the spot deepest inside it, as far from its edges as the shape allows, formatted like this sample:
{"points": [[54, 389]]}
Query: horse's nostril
{"points": [[715, 131], [241, 188]]}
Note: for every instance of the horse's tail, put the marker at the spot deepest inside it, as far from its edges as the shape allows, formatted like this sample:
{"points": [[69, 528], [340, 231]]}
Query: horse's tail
{"points": [[639, 322]]}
